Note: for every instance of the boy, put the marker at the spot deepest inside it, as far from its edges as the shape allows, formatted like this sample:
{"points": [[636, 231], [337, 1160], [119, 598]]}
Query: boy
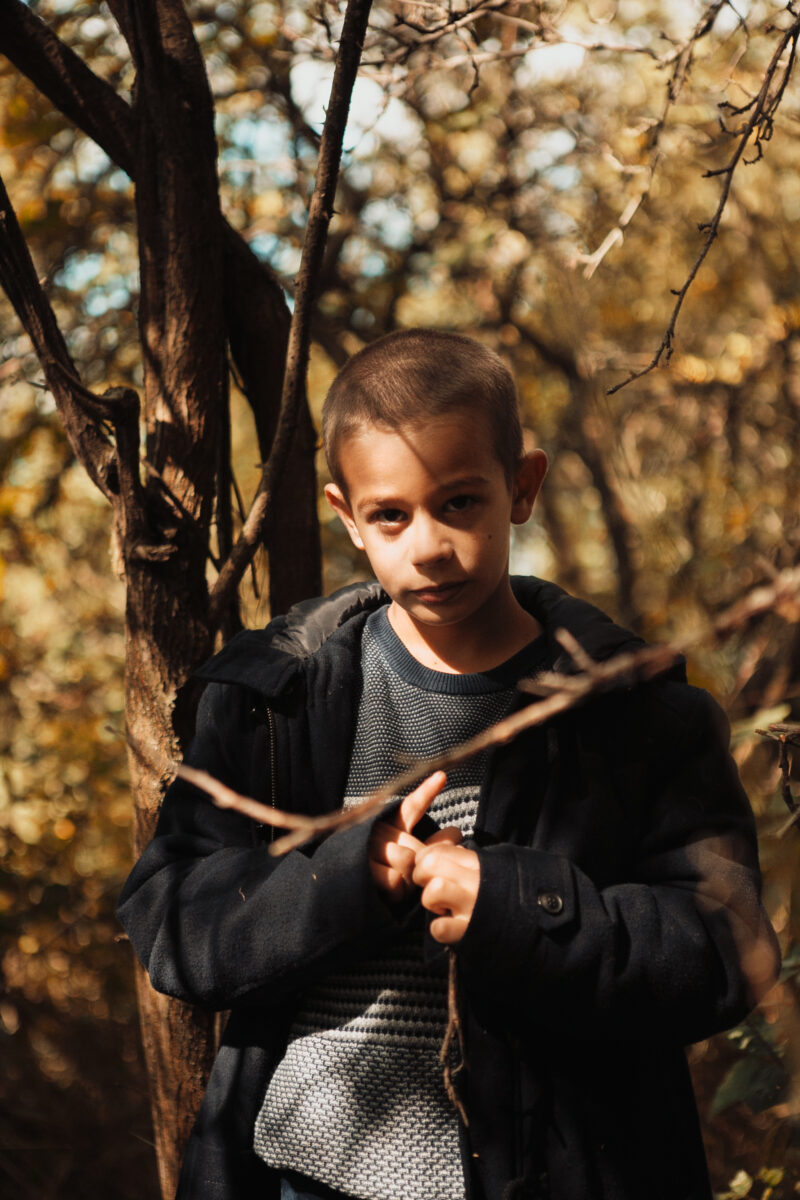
{"points": [[596, 879]]}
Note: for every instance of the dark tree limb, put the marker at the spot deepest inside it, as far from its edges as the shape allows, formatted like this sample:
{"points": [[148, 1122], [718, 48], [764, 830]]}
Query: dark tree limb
{"points": [[256, 316], [64, 78], [103, 431], [20, 282], [319, 217], [177, 209], [257, 320]]}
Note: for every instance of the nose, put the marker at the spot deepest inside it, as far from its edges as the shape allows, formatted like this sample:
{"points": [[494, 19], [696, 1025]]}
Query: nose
{"points": [[430, 541]]}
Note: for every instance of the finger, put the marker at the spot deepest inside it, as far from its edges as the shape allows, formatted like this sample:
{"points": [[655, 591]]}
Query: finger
{"points": [[389, 881], [445, 859], [399, 858], [383, 833], [451, 835], [449, 930], [451, 895], [416, 803], [445, 896]]}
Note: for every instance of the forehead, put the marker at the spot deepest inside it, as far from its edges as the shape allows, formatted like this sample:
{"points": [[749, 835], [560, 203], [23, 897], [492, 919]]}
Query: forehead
{"points": [[378, 460]]}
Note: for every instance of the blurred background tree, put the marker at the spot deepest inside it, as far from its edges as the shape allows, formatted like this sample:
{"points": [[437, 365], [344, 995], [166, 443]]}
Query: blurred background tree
{"points": [[532, 173]]}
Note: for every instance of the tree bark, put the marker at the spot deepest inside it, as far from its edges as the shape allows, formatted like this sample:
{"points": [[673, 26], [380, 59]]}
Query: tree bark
{"points": [[254, 303], [199, 283], [185, 380], [256, 316], [320, 213]]}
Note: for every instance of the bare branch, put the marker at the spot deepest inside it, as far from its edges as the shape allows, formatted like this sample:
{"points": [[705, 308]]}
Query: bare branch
{"points": [[64, 78], [319, 217], [548, 33], [680, 59], [762, 114], [252, 296], [82, 421], [562, 693]]}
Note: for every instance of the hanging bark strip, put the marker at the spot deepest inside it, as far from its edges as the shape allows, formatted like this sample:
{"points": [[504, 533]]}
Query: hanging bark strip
{"points": [[319, 218]]}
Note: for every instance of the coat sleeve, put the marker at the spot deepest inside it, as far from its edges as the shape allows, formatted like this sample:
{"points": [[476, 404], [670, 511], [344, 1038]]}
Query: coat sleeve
{"points": [[680, 943], [214, 918]]}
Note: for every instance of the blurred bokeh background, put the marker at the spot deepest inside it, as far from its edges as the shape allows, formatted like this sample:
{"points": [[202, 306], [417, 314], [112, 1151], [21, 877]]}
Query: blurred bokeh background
{"points": [[536, 178]]}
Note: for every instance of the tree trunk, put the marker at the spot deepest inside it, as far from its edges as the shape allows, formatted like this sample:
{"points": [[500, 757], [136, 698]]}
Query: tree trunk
{"points": [[200, 285], [185, 382]]}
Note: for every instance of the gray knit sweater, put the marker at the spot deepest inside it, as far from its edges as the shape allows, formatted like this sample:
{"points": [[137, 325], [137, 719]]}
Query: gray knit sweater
{"points": [[358, 1101]]}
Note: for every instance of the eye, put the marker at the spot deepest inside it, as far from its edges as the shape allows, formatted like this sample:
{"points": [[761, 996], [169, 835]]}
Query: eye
{"points": [[459, 504], [387, 516]]}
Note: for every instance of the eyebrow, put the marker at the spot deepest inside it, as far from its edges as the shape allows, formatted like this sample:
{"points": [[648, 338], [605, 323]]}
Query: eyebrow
{"points": [[448, 485], [464, 481]]}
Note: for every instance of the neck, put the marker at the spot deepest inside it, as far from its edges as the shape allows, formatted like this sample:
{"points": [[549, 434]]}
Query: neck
{"points": [[487, 638]]}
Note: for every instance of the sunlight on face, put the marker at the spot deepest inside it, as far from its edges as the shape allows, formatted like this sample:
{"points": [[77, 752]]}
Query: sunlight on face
{"points": [[432, 508]]}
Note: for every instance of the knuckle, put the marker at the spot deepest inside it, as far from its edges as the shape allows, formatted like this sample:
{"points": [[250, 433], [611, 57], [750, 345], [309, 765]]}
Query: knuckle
{"points": [[436, 888]]}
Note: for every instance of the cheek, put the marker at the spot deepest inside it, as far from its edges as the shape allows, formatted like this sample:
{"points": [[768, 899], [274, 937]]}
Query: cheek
{"points": [[382, 556]]}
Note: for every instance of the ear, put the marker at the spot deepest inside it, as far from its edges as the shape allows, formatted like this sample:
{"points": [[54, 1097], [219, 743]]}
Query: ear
{"points": [[527, 481], [338, 502]]}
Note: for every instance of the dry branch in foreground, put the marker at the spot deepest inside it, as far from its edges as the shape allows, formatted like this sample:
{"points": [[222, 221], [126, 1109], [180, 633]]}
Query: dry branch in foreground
{"points": [[559, 693]]}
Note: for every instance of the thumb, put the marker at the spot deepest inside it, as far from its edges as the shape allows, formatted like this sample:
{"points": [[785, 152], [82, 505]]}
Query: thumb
{"points": [[416, 803]]}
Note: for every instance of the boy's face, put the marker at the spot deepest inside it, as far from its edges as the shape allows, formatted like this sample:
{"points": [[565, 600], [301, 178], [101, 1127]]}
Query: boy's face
{"points": [[431, 506]]}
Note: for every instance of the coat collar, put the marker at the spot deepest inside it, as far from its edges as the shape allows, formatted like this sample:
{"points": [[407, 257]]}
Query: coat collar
{"points": [[270, 660]]}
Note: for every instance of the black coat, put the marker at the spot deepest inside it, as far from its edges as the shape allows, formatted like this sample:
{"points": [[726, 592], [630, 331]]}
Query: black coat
{"points": [[618, 916]]}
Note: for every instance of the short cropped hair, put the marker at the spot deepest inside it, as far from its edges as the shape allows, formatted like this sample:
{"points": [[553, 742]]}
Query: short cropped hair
{"points": [[412, 375]]}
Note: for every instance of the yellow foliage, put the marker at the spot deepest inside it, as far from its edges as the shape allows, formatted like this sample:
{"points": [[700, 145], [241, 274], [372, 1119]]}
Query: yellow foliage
{"points": [[692, 368]]}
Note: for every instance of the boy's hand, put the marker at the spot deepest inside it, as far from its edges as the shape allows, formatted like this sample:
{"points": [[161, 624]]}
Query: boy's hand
{"points": [[449, 876], [393, 848]]}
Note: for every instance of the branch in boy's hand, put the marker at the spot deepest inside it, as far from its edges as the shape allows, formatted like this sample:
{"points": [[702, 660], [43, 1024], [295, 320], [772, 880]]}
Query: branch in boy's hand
{"points": [[559, 693]]}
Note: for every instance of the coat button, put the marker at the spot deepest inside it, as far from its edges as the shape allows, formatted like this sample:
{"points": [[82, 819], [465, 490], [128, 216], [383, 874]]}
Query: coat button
{"points": [[551, 902]]}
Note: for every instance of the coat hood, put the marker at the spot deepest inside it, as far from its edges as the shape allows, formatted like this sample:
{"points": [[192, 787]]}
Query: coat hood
{"points": [[269, 660]]}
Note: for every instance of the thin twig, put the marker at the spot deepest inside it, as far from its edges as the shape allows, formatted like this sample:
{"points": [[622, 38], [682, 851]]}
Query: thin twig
{"points": [[319, 217], [559, 692], [680, 59], [762, 113]]}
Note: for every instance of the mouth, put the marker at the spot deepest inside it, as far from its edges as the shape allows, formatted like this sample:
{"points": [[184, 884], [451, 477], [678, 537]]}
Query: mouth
{"points": [[440, 593]]}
